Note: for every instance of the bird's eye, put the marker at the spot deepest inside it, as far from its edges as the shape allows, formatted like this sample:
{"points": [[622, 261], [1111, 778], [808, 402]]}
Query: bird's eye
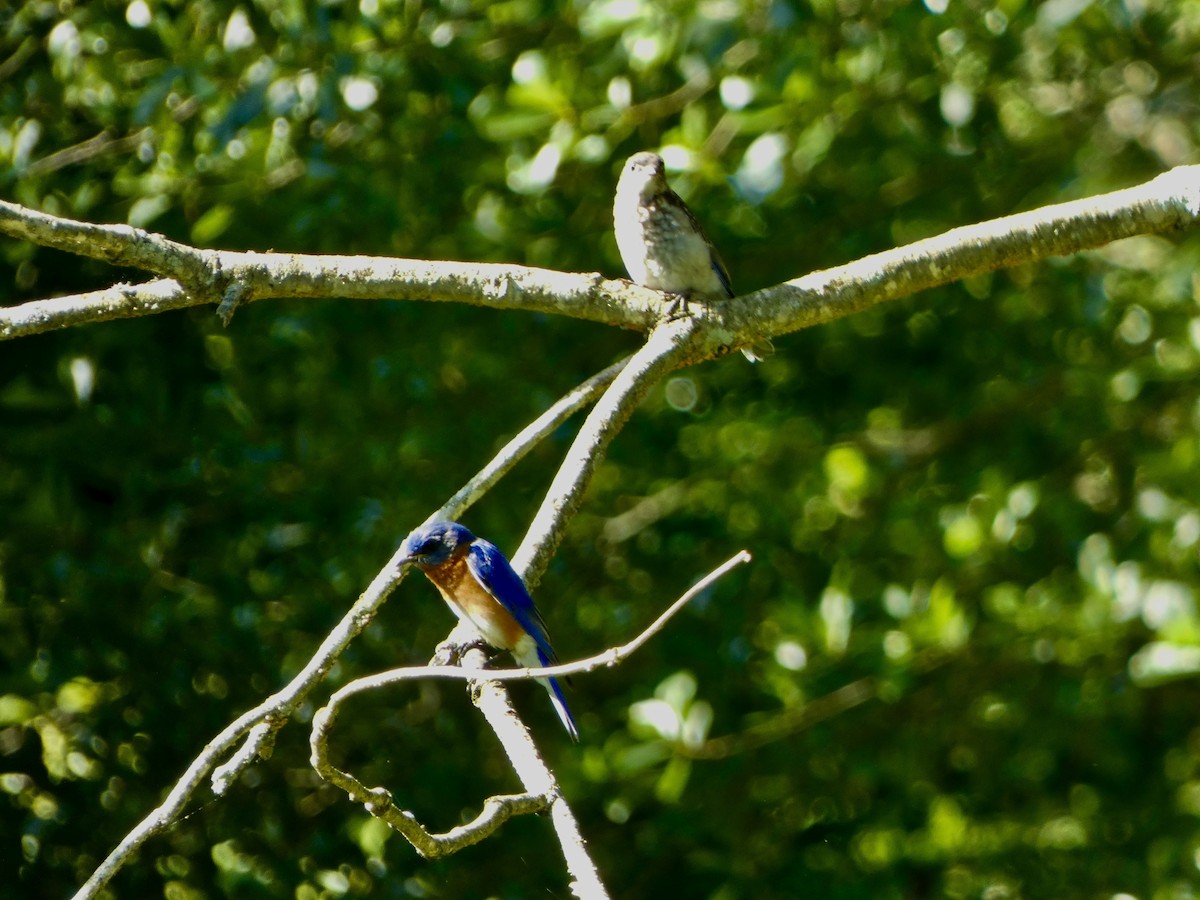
{"points": [[428, 547]]}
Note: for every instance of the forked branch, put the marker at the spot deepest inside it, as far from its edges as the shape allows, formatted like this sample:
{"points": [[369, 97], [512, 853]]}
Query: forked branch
{"points": [[258, 726], [498, 809]]}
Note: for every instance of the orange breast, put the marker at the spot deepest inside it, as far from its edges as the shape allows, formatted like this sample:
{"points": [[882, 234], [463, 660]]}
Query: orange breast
{"points": [[469, 600]]}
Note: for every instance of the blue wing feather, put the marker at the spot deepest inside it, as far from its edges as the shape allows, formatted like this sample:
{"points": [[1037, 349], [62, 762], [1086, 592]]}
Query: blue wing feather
{"points": [[496, 574], [492, 570], [721, 272]]}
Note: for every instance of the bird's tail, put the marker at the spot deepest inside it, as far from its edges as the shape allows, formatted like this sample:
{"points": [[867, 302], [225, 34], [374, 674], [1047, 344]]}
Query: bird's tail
{"points": [[556, 697], [759, 350]]}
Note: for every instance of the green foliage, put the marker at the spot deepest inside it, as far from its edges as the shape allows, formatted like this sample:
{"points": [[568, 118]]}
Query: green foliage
{"points": [[977, 506]]}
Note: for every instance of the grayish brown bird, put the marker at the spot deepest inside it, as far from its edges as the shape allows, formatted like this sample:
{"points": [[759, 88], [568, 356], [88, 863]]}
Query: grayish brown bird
{"points": [[661, 243]]}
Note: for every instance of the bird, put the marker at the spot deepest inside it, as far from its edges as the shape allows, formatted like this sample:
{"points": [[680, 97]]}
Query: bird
{"points": [[661, 243], [479, 585]]}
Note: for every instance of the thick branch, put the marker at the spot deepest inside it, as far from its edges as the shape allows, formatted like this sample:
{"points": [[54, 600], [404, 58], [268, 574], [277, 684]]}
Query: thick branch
{"points": [[121, 245], [259, 276], [669, 347], [492, 700], [1170, 201]]}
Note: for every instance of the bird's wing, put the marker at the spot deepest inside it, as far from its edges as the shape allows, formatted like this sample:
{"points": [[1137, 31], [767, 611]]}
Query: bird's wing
{"points": [[722, 272], [714, 258], [492, 570]]}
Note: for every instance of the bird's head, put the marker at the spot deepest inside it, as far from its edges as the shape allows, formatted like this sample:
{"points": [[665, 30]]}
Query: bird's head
{"points": [[644, 176], [431, 545]]}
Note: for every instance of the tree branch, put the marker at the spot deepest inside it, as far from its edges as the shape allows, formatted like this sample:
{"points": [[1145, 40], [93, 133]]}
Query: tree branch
{"points": [[260, 724], [492, 700], [378, 801], [121, 301], [121, 245], [207, 274], [667, 345], [101, 144], [525, 440], [1171, 200], [668, 348], [820, 709], [539, 782]]}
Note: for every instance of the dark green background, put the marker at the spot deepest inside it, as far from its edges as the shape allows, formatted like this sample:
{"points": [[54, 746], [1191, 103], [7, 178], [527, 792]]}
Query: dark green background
{"points": [[982, 499]]}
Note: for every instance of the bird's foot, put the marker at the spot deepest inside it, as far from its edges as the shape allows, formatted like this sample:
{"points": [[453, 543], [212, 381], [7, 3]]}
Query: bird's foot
{"points": [[450, 652], [677, 308]]}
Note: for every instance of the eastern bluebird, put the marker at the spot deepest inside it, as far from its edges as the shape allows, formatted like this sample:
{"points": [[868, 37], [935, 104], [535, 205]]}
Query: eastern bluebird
{"points": [[661, 243], [480, 586]]}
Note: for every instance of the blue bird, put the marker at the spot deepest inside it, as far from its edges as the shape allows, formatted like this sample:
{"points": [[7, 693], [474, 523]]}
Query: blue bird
{"points": [[479, 585]]}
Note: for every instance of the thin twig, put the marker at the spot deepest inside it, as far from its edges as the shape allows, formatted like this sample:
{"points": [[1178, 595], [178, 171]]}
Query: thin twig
{"points": [[525, 440], [24, 52], [668, 104], [819, 709], [378, 802], [121, 301], [102, 144]]}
